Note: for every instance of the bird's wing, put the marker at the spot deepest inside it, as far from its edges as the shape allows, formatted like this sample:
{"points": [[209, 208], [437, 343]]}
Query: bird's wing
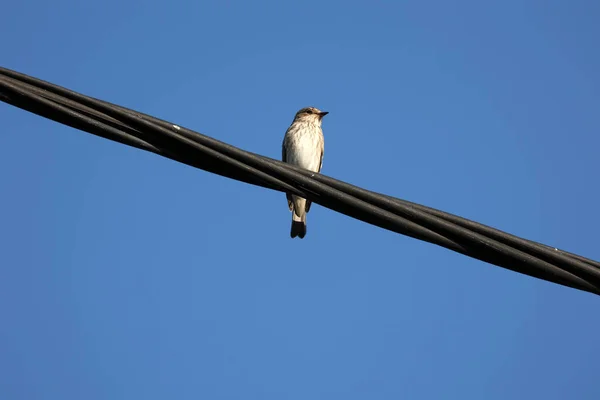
{"points": [[284, 159], [321, 161], [308, 202]]}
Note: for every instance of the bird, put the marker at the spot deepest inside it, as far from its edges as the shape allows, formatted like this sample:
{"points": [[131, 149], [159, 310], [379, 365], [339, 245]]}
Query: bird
{"points": [[303, 146]]}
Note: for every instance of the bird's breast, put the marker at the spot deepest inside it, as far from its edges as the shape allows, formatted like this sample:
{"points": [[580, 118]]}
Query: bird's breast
{"points": [[304, 146]]}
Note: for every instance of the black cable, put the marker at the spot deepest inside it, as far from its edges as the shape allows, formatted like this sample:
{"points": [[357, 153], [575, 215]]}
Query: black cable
{"points": [[164, 138]]}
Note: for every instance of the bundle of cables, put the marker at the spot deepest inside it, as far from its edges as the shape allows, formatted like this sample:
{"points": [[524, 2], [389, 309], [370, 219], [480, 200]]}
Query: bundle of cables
{"points": [[178, 143]]}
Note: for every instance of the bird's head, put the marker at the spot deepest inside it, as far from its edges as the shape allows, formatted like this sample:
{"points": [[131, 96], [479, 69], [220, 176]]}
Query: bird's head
{"points": [[310, 114]]}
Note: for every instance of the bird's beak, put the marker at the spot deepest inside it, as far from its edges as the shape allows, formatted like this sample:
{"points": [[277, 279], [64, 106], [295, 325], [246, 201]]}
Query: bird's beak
{"points": [[323, 113]]}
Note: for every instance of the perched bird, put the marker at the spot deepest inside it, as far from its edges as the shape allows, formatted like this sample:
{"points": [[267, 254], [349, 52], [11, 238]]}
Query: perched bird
{"points": [[303, 146]]}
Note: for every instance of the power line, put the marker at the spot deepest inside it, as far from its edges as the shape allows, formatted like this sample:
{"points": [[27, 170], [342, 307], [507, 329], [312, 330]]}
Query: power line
{"points": [[178, 143]]}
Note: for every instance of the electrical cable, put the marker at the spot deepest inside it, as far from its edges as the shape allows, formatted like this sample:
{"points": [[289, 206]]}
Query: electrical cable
{"points": [[164, 138]]}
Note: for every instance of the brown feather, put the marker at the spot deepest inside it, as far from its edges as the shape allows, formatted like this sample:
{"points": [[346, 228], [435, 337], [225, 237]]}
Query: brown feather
{"points": [[308, 202], [287, 195]]}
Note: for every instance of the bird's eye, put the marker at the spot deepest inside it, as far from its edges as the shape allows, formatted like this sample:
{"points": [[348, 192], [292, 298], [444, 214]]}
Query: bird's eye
{"points": [[309, 111]]}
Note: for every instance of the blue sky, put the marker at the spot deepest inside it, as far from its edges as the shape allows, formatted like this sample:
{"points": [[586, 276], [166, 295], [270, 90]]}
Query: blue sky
{"points": [[126, 275]]}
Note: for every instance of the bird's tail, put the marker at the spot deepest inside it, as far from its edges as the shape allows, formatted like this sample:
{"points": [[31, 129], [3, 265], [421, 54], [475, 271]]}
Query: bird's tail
{"points": [[298, 225]]}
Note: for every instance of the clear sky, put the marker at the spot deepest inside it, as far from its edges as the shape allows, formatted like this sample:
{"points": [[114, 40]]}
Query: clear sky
{"points": [[124, 275]]}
